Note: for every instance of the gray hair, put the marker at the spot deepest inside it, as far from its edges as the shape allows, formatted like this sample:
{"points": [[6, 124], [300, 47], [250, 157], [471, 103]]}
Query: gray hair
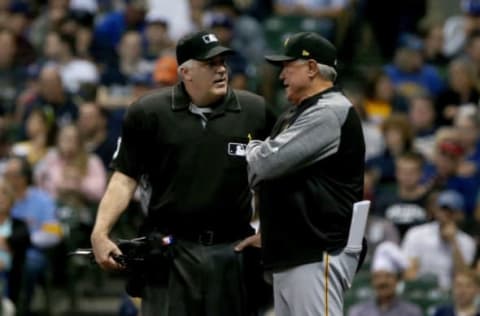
{"points": [[327, 72], [186, 64]]}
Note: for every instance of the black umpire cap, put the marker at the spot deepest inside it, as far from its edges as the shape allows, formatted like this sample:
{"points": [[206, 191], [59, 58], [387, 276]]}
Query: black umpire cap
{"points": [[200, 46], [306, 45]]}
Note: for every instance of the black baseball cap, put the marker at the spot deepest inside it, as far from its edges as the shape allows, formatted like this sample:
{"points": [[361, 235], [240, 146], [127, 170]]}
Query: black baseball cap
{"points": [[200, 46], [306, 45]]}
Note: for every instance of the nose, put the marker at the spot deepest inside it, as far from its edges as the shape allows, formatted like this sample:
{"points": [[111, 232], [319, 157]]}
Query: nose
{"points": [[282, 74]]}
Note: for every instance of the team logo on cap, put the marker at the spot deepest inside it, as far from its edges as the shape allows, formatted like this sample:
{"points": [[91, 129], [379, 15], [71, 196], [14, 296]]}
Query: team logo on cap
{"points": [[209, 38], [305, 53]]}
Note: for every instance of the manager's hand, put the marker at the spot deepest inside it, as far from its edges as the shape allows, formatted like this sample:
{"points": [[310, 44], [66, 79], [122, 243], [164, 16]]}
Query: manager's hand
{"points": [[251, 241], [105, 251]]}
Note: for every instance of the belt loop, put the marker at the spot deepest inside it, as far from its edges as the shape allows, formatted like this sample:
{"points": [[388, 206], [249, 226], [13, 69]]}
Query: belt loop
{"points": [[206, 237]]}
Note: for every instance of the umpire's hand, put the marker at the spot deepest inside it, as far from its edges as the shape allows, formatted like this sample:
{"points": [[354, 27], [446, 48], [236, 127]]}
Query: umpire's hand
{"points": [[105, 252], [251, 241]]}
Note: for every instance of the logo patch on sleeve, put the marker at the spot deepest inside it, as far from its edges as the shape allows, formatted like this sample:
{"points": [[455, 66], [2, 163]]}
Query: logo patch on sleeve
{"points": [[237, 149]]}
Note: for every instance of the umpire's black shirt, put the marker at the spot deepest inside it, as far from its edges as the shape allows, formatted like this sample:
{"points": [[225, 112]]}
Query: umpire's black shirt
{"points": [[196, 175]]}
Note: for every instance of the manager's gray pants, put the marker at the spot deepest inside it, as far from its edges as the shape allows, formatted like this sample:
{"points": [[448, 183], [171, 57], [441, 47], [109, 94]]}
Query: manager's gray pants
{"points": [[315, 289]]}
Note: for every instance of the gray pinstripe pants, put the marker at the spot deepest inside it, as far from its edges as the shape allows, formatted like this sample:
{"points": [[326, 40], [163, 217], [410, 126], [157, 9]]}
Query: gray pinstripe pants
{"points": [[315, 289]]}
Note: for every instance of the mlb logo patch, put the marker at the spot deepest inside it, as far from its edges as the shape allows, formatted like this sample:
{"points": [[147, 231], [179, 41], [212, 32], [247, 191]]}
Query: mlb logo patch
{"points": [[237, 149]]}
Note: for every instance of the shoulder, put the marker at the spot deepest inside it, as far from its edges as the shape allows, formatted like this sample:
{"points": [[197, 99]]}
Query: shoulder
{"points": [[416, 232], [410, 308], [40, 196], [149, 106], [333, 104], [155, 100], [361, 309]]}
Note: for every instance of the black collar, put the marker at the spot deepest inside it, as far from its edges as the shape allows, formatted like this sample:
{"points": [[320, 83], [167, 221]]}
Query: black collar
{"points": [[314, 98], [181, 100]]}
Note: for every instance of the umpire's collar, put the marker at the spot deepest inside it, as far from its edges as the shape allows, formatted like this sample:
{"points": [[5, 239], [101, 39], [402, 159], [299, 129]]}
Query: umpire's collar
{"points": [[181, 100]]}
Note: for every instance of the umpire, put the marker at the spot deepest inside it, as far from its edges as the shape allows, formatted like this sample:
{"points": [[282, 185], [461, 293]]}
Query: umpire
{"points": [[186, 146], [307, 176]]}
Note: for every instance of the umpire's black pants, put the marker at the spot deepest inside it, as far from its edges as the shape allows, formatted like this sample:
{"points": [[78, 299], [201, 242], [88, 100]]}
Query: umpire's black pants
{"points": [[203, 280]]}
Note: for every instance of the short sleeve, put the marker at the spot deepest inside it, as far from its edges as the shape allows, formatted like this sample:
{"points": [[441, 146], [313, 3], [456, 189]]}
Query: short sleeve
{"points": [[130, 153]]}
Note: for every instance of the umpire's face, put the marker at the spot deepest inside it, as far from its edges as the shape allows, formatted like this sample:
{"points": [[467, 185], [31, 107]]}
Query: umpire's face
{"points": [[208, 78], [296, 76]]}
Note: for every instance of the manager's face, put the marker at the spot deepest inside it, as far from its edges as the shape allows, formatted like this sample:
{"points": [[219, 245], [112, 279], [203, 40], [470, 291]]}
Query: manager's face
{"points": [[295, 76]]}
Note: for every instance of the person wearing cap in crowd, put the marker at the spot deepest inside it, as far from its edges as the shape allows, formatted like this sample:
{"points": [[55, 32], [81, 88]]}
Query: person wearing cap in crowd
{"points": [[185, 146], [388, 265], [409, 73], [440, 247], [307, 175]]}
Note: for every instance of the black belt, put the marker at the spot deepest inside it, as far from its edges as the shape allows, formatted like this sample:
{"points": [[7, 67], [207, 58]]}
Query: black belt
{"points": [[208, 237]]}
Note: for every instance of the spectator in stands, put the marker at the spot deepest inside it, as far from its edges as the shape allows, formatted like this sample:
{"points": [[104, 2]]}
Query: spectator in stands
{"points": [[222, 26], [53, 97], [433, 39], [165, 72], [374, 144], [93, 126], [398, 136], [12, 75], [405, 206], [440, 247], [111, 27], [49, 19], [14, 241], [36, 208], [444, 172], [388, 266], [182, 16], [157, 41], [422, 116], [118, 78], [459, 29], [79, 25], [461, 90], [69, 173], [381, 98], [60, 51], [19, 22], [248, 38], [326, 12], [409, 73], [465, 290], [41, 132], [468, 125]]}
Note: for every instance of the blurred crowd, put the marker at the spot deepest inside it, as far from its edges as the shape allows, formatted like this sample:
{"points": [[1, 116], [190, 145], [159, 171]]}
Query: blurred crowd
{"points": [[70, 68]]}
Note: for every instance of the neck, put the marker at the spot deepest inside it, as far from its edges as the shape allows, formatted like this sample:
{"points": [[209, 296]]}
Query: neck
{"points": [[316, 87], [201, 99], [39, 140], [410, 192], [384, 303]]}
